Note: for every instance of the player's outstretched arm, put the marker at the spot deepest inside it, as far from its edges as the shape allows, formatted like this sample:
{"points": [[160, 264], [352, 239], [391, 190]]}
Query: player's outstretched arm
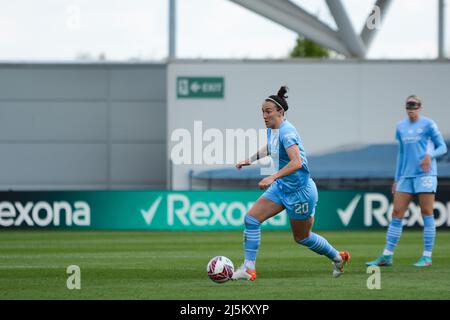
{"points": [[258, 155]]}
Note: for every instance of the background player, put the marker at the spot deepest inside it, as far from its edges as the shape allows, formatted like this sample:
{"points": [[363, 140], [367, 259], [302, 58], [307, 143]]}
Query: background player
{"points": [[289, 188], [420, 143]]}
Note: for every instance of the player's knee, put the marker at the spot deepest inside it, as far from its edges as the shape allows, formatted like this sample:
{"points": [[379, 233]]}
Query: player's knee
{"points": [[300, 236], [252, 213], [397, 213]]}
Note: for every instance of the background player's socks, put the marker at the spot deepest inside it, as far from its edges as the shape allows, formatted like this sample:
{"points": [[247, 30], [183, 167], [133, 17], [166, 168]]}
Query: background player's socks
{"points": [[320, 245], [429, 234], [393, 236], [252, 238]]}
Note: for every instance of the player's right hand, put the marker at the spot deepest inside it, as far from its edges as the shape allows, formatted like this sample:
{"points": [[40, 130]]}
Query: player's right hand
{"points": [[242, 163], [425, 164]]}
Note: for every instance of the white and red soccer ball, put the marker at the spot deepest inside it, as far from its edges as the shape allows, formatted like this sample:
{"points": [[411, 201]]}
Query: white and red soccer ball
{"points": [[220, 269]]}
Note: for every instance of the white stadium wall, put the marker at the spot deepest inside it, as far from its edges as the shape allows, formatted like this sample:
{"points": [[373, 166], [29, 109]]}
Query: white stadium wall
{"points": [[108, 126], [332, 103], [82, 126]]}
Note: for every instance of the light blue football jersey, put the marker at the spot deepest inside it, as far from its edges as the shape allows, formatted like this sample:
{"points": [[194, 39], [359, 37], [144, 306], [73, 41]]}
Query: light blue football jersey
{"points": [[416, 139], [278, 140]]}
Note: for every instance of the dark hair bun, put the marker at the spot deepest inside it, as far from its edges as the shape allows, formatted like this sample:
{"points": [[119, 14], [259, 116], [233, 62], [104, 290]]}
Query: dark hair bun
{"points": [[280, 99], [282, 92]]}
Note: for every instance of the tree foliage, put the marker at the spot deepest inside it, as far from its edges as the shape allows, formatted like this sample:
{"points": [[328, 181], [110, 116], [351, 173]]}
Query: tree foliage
{"points": [[306, 48]]}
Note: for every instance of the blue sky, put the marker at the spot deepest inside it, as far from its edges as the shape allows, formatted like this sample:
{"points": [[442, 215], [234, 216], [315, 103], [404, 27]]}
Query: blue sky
{"points": [[137, 29]]}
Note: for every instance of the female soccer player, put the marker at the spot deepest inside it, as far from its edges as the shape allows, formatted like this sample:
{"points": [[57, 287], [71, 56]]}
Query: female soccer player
{"points": [[420, 143], [289, 188]]}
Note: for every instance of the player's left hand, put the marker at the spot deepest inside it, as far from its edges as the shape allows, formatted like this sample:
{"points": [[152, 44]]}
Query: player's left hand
{"points": [[425, 164], [266, 182]]}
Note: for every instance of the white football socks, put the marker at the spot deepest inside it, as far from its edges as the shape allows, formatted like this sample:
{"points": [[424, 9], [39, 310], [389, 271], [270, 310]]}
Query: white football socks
{"points": [[249, 264]]}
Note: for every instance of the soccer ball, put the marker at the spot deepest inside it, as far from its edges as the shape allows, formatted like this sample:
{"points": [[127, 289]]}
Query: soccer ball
{"points": [[220, 269]]}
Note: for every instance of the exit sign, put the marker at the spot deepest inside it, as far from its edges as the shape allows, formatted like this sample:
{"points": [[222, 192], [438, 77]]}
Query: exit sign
{"points": [[200, 87]]}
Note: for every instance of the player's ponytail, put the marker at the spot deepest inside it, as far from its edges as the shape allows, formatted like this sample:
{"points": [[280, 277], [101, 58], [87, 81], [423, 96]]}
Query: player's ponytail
{"points": [[280, 99]]}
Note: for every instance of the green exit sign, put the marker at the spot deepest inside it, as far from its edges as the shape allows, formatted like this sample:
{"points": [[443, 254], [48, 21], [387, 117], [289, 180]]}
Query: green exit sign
{"points": [[200, 87]]}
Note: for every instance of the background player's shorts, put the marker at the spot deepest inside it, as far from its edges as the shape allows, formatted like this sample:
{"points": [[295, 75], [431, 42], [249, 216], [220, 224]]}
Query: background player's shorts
{"points": [[300, 204], [417, 184]]}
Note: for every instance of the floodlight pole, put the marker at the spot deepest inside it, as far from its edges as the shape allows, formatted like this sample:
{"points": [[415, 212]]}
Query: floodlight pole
{"points": [[441, 23], [172, 29]]}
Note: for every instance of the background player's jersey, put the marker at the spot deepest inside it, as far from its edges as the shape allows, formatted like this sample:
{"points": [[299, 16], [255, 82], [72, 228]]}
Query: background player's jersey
{"points": [[278, 140], [416, 139]]}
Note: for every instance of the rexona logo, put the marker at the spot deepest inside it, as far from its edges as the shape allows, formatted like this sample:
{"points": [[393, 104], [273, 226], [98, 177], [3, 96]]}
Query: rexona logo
{"points": [[377, 208], [44, 214], [201, 213]]}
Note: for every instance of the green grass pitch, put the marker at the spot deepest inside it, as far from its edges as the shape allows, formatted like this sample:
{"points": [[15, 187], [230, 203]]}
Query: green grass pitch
{"points": [[172, 265]]}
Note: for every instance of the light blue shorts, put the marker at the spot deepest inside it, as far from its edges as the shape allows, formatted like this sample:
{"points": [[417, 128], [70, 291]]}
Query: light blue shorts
{"points": [[300, 204], [417, 184]]}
